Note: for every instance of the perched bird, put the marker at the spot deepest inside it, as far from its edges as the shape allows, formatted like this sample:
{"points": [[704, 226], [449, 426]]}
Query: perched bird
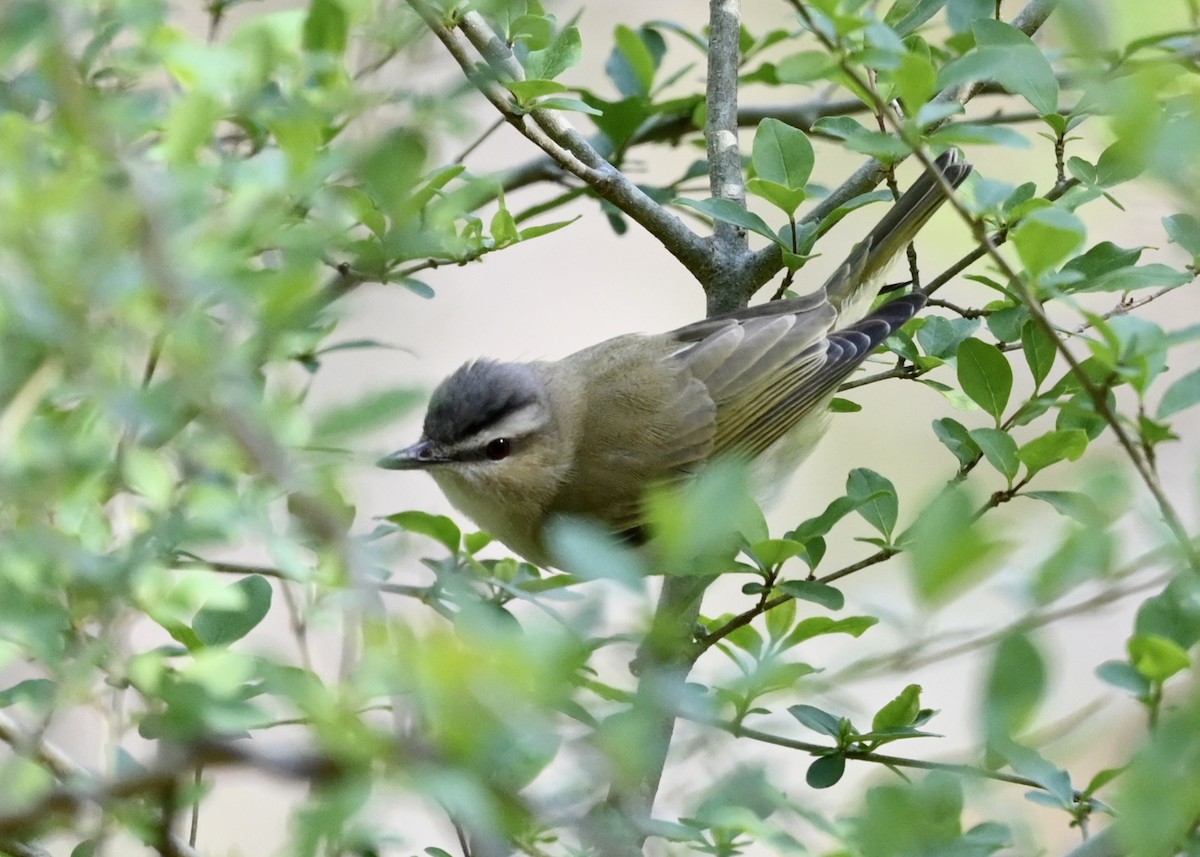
{"points": [[513, 445]]}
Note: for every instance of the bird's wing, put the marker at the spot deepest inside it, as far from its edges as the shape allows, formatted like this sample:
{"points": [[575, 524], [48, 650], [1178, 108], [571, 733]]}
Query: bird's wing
{"points": [[766, 374]]}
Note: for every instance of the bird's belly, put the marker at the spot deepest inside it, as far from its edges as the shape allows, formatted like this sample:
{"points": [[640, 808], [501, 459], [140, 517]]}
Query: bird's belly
{"points": [[772, 469]]}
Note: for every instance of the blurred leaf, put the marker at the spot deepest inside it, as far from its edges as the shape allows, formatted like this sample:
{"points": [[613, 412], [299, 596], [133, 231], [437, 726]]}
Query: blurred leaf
{"points": [[1085, 554], [1123, 675], [221, 623], [1074, 504], [372, 411], [698, 525], [1184, 230], [437, 527], [949, 551], [1046, 237], [327, 27], [1157, 658], [36, 693], [1015, 686], [634, 60], [1183, 393], [585, 549]]}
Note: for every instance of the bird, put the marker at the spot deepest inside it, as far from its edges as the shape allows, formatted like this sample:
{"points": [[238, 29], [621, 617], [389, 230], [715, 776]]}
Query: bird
{"points": [[516, 445]]}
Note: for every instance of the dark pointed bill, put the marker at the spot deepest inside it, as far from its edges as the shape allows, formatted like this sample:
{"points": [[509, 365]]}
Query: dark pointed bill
{"points": [[416, 457]]}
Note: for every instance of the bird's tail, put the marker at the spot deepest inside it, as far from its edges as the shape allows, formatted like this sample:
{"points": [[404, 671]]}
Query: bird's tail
{"points": [[853, 286]]}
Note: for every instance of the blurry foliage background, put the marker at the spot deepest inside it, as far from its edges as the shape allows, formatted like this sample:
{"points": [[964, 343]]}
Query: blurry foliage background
{"points": [[203, 205]]}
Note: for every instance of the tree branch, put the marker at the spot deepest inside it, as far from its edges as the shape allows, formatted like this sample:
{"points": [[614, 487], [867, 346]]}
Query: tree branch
{"points": [[724, 156], [549, 131]]}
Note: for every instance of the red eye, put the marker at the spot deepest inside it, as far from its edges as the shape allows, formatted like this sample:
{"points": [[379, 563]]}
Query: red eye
{"points": [[497, 449]]}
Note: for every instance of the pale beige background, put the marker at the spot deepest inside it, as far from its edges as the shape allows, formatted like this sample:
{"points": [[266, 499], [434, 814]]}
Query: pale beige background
{"points": [[580, 285]]}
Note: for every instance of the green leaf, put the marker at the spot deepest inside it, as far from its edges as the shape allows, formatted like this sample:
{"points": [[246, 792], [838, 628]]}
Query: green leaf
{"points": [[781, 619], [1046, 237], [770, 553], [372, 411], [826, 771], [1085, 554], [1184, 230], [557, 57], [556, 102], [1157, 658], [1052, 447], [780, 196], [817, 720], [1015, 686], [189, 126], [948, 550], [899, 712], [219, 624], [1182, 394], [632, 64], [805, 67], [1073, 504], [583, 548], [875, 499], [985, 376], [527, 91], [999, 449], [504, 228], [1040, 350], [916, 81], [782, 154], [940, 337], [326, 27], [698, 526], [541, 229], [906, 15], [817, 626], [1009, 57], [978, 134], [955, 437], [437, 527], [36, 693], [1123, 675], [730, 212], [818, 593], [1173, 613]]}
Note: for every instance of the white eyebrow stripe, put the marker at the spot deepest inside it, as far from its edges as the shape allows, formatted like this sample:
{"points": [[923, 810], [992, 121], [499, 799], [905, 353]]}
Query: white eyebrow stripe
{"points": [[519, 423]]}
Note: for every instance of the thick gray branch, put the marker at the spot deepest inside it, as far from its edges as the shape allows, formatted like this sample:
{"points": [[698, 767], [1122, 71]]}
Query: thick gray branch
{"points": [[724, 156]]}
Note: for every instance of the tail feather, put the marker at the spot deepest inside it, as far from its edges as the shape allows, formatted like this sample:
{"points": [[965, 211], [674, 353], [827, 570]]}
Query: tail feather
{"points": [[854, 285]]}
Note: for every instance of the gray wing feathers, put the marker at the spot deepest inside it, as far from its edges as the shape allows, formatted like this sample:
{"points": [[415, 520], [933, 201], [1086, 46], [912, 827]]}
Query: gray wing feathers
{"points": [[765, 375]]}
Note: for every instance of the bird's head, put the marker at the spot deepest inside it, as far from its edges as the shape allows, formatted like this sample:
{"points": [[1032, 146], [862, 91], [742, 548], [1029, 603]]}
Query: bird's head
{"points": [[483, 421]]}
